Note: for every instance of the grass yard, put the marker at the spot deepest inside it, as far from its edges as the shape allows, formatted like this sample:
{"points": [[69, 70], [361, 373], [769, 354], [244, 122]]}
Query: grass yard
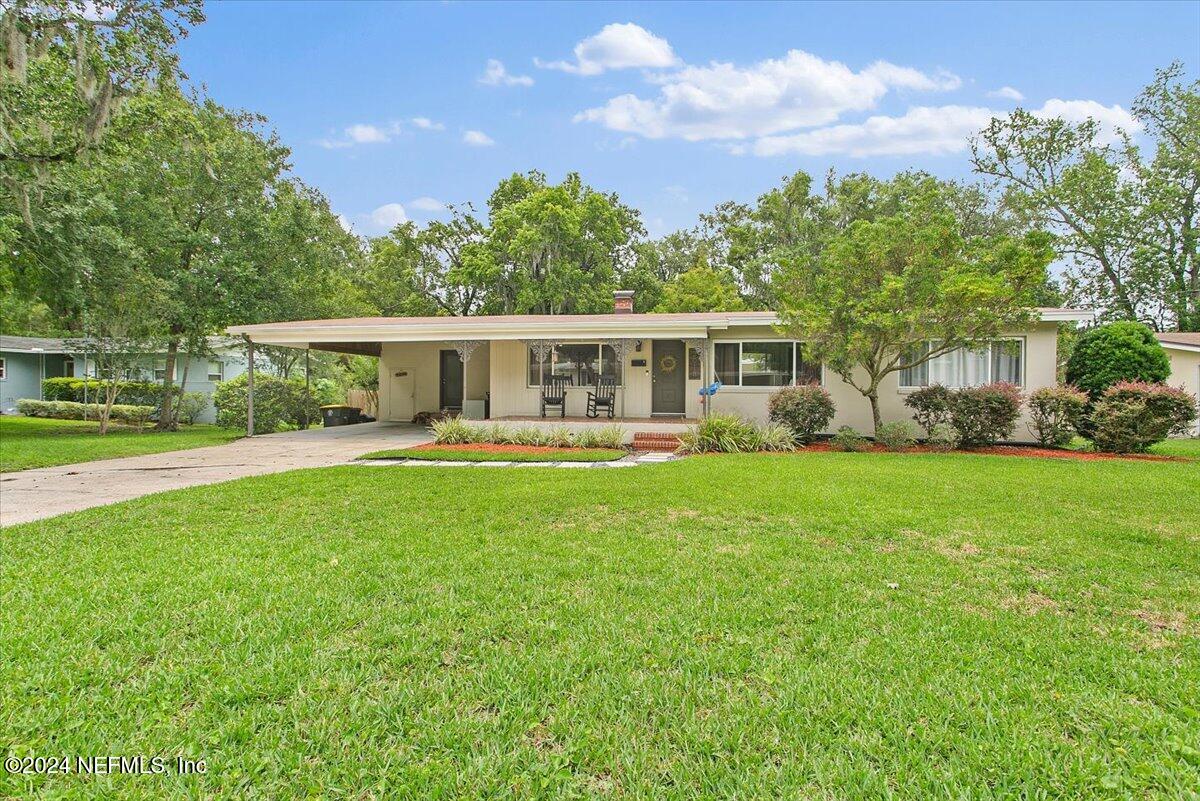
{"points": [[1178, 447], [469, 453], [797, 626], [27, 442]]}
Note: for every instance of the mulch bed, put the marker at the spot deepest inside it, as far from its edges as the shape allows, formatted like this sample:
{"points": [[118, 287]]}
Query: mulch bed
{"points": [[485, 447], [1021, 450]]}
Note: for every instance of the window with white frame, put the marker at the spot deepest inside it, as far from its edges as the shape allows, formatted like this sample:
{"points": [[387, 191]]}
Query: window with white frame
{"points": [[776, 363], [970, 367], [160, 370], [216, 371], [3, 368], [581, 362]]}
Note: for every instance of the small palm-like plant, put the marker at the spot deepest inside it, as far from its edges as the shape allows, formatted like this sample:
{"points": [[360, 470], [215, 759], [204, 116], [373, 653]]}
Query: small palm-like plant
{"points": [[453, 431]]}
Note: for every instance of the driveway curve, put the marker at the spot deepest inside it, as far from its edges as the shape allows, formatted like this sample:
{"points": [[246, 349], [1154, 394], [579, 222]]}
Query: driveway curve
{"points": [[35, 494]]}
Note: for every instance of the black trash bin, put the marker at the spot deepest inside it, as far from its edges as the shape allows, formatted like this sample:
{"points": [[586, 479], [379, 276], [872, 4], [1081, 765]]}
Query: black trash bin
{"points": [[340, 415]]}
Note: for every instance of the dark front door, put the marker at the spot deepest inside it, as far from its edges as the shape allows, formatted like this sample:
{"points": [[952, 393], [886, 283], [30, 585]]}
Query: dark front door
{"points": [[667, 376], [450, 395]]}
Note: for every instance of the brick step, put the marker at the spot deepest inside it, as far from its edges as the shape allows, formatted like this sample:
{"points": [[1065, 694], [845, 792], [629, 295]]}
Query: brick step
{"points": [[653, 441]]}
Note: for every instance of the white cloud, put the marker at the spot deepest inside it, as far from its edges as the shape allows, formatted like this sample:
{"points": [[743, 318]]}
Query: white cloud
{"points": [[367, 134], [478, 139], [1076, 111], [345, 223], [361, 134], [925, 130], [495, 74], [427, 124], [388, 216], [426, 204], [1007, 93], [724, 101], [617, 46]]}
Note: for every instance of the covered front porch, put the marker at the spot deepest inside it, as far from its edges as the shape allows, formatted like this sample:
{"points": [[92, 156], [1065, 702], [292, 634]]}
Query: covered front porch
{"points": [[632, 380]]}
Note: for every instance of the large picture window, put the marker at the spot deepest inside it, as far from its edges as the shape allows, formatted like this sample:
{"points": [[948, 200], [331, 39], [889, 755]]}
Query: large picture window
{"points": [[970, 367], [777, 363], [581, 362]]}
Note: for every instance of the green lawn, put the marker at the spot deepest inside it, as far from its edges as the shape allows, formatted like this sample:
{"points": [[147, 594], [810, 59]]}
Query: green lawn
{"points": [[799, 626], [1178, 447], [27, 442], [452, 455]]}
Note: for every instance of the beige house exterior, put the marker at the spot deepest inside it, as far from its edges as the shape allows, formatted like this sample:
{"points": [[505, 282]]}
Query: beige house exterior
{"points": [[493, 366], [1184, 352]]}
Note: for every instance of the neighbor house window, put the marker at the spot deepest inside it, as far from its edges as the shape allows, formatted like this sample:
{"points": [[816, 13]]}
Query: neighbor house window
{"points": [[969, 367], [160, 369], [216, 371], [778, 363], [3, 369], [69, 367], [581, 362]]}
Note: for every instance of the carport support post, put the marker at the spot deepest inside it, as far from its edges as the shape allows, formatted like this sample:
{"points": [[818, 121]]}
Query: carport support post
{"points": [[249, 387], [465, 348], [307, 391]]}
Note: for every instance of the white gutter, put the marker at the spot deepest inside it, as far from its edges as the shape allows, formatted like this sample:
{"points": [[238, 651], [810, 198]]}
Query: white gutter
{"points": [[1179, 346], [291, 335]]}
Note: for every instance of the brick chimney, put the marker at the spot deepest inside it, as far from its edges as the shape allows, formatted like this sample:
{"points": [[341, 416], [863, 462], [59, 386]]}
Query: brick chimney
{"points": [[623, 301]]}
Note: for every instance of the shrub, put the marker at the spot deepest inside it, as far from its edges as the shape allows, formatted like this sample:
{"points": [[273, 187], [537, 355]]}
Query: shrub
{"points": [[130, 393], [931, 406], [898, 436], [452, 431], [985, 415], [559, 437], [775, 437], [190, 406], [1122, 351], [1133, 415], [942, 437], [529, 435], [805, 410], [1054, 414], [609, 437], [277, 403], [69, 410], [847, 439], [725, 433]]}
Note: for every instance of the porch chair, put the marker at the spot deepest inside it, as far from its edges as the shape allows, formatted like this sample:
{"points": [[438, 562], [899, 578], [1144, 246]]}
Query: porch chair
{"points": [[554, 393], [603, 396]]}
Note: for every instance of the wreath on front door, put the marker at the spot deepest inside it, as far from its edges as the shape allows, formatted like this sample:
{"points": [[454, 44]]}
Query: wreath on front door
{"points": [[667, 364]]}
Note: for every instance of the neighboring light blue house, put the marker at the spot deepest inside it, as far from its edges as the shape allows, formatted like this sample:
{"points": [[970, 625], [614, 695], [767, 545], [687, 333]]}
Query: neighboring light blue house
{"points": [[25, 361]]}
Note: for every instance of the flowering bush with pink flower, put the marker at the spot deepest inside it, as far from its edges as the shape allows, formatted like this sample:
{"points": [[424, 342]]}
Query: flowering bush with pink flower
{"points": [[1133, 415], [985, 415], [1054, 414]]}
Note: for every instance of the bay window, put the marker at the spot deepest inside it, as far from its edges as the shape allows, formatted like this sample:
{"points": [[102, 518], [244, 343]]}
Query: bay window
{"points": [[777, 363], [969, 366], [581, 362]]}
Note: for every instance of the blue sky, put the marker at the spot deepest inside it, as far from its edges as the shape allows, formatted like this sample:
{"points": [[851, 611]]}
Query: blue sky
{"points": [[393, 109]]}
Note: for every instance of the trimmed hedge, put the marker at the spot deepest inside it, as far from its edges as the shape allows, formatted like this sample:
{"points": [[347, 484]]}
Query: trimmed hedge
{"points": [[278, 404], [69, 410], [1121, 351], [131, 393]]}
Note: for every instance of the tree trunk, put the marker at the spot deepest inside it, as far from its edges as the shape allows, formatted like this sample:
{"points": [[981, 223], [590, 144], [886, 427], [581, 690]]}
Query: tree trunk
{"points": [[187, 362], [166, 416], [873, 396]]}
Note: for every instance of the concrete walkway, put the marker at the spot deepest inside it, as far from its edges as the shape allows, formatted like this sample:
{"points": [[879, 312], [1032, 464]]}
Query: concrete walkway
{"points": [[35, 494]]}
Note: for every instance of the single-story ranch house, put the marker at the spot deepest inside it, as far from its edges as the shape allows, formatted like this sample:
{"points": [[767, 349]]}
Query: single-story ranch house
{"points": [[1184, 351], [498, 366], [25, 361]]}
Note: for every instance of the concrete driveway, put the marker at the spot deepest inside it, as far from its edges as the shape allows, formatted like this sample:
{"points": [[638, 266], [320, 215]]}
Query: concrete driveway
{"points": [[48, 491]]}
